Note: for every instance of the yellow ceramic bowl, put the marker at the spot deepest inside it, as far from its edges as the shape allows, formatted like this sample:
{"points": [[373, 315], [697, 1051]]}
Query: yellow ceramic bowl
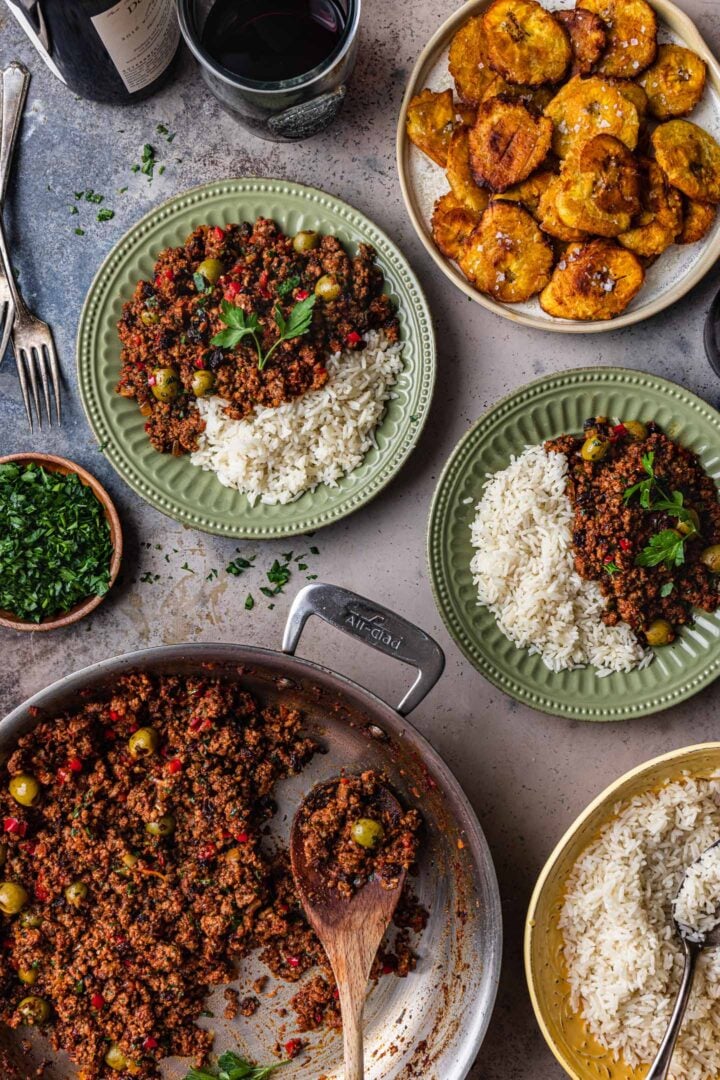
{"points": [[565, 1032]]}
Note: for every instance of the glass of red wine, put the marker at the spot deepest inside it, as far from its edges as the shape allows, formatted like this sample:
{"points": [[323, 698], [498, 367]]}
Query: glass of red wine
{"points": [[280, 66]]}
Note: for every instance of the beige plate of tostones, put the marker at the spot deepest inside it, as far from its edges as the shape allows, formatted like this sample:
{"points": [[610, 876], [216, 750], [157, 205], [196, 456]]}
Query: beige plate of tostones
{"points": [[505, 160]]}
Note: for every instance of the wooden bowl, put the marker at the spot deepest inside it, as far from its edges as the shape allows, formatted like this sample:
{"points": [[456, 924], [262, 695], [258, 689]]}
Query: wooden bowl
{"points": [[83, 607]]}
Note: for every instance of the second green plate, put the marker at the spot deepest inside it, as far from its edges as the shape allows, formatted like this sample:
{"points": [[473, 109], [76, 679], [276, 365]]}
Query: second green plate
{"points": [[542, 410], [173, 485]]}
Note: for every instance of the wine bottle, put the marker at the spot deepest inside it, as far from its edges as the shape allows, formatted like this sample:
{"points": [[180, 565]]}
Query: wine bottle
{"points": [[104, 50]]}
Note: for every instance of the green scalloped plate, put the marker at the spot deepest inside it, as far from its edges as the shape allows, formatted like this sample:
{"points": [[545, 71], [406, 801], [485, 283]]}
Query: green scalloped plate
{"points": [[542, 410], [173, 485]]}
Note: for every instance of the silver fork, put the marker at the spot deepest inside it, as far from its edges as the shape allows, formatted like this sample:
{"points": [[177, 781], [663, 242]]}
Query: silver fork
{"points": [[7, 308], [32, 339]]}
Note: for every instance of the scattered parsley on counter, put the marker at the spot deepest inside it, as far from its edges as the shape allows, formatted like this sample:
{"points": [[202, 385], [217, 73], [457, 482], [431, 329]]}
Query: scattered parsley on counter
{"points": [[162, 130], [55, 546], [239, 565], [249, 602], [105, 214]]}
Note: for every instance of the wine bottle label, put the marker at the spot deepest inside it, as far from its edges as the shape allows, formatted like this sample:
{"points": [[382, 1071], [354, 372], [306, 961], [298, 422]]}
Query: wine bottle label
{"points": [[141, 37]]}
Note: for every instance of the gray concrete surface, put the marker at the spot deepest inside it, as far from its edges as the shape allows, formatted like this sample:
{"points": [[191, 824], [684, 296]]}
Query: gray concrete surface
{"points": [[527, 775]]}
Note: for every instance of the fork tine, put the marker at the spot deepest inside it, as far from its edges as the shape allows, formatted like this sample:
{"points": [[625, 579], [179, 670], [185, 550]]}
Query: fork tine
{"points": [[54, 375], [23, 385], [6, 323], [39, 358], [27, 359]]}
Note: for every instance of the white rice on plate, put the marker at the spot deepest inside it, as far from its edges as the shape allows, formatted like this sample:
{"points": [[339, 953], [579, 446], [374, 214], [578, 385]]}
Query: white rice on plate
{"points": [[524, 572], [277, 454], [623, 956]]}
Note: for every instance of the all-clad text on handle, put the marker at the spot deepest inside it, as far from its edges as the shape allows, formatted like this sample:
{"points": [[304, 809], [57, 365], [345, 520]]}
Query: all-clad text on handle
{"points": [[374, 624]]}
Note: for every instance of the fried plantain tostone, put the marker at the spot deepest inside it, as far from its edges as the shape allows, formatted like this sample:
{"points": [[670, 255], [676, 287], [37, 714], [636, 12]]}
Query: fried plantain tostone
{"points": [[507, 256], [690, 158], [697, 220], [525, 44], [600, 188], [633, 92], [549, 219], [588, 38], [468, 62], [529, 192], [460, 176], [632, 36], [593, 281], [507, 143], [659, 222], [430, 123], [452, 223], [675, 82], [587, 107]]}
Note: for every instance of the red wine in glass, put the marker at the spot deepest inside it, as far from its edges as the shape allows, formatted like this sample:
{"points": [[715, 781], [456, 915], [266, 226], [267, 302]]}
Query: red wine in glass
{"points": [[272, 40]]}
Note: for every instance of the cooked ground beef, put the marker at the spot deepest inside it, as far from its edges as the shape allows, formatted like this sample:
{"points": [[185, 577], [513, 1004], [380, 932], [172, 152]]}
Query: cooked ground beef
{"points": [[164, 917], [610, 532], [349, 834], [170, 321]]}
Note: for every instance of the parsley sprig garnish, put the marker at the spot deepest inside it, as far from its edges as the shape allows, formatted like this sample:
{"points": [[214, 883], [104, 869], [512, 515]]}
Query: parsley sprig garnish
{"points": [[233, 1067], [668, 545], [241, 325]]}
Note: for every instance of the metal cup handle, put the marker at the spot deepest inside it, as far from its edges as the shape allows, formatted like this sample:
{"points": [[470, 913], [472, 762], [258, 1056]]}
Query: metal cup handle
{"points": [[376, 626]]}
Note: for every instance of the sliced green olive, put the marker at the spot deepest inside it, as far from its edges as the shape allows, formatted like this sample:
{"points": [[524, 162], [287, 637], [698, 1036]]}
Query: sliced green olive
{"points": [[659, 632], [149, 318], [203, 383], [691, 525], [166, 385], [29, 976], [305, 240], [327, 288], [30, 920], [13, 898], [129, 861], [116, 1059], [367, 832], [594, 448], [76, 894], [636, 429], [34, 1010], [164, 826], [211, 270], [24, 789], [143, 742], [711, 558]]}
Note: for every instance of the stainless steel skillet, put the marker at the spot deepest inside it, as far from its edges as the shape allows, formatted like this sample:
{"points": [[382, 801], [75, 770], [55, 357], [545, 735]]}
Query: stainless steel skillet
{"points": [[431, 1024]]}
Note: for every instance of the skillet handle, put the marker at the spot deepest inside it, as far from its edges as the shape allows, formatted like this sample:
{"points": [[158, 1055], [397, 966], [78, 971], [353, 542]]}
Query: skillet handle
{"points": [[373, 624]]}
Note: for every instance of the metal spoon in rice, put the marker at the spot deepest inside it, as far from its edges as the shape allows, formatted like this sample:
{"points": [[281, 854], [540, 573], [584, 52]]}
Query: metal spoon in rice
{"points": [[693, 942]]}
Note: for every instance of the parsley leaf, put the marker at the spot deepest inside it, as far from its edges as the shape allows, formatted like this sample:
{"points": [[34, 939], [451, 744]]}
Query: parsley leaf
{"points": [[667, 588], [612, 568], [287, 286], [664, 547], [233, 1067]]}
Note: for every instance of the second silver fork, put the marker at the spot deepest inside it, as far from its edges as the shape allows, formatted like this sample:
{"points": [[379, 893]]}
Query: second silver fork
{"points": [[32, 339]]}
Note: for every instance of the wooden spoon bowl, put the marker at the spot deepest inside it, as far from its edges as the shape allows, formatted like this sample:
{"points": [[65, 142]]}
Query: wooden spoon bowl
{"points": [[83, 607], [350, 929]]}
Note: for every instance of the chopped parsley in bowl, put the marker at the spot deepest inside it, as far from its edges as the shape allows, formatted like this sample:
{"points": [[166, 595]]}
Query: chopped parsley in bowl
{"points": [[60, 542]]}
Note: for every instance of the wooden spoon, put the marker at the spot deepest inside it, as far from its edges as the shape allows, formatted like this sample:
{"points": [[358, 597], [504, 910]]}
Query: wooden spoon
{"points": [[350, 930]]}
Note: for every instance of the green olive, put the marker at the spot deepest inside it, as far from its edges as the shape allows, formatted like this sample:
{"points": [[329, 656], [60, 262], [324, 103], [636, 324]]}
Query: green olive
{"points": [[30, 920], [117, 1060], [659, 632], [143, 742], [149, 318], [164, 826], [13, 898], [203, 382], [636, 429], [327, 288], [29, 976], [129, 861], [305, 241], [711, 558], [594, 448], [167, 384], [367, 832], [211, 270], [24, 789], [34, 1010], [690, 526], [76, 893]]}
